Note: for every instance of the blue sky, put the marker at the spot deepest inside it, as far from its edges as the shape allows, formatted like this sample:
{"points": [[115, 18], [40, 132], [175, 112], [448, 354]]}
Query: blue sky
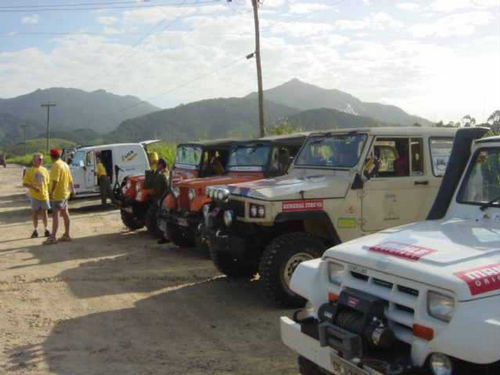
{"points": [[436, 58]]}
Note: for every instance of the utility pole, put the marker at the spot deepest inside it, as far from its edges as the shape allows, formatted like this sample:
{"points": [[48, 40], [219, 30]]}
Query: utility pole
{"points": [[48, 105], [262, 127]]}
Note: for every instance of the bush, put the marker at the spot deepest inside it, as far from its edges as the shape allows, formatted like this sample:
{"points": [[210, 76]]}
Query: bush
{"points": [[165, 150]]}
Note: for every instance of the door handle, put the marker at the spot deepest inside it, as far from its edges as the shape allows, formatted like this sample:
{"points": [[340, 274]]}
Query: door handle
{"points": [[421, 182]]}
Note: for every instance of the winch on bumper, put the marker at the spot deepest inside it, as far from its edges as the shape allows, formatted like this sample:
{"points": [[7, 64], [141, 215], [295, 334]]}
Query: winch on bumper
{"points": [[349, 332]]}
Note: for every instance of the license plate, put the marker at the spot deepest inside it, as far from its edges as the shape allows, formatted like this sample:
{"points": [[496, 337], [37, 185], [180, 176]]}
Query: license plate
{"points": [[343, 367], [182, 222], [129, 209]]}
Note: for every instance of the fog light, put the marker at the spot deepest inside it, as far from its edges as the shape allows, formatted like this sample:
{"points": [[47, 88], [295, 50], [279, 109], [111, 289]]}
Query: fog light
{"points": [[228, 218], [440, 364]]}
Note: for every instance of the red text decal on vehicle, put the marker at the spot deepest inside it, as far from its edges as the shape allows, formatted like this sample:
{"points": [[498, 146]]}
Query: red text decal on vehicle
{"points": [[481, 279], [401, 250], [291, 206]]}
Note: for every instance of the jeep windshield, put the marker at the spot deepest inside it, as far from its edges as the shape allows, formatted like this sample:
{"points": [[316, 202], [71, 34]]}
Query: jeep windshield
{"points": [[188, 155], [332, 151], [481, 185], [249, 157]]}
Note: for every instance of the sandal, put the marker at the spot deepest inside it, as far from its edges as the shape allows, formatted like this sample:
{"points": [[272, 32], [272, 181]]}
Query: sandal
{"points": [[65, 238], [50, 241]]}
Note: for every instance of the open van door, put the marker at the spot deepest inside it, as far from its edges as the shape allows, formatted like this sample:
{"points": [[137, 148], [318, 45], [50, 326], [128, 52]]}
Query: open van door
{"points": [[90, 176]]}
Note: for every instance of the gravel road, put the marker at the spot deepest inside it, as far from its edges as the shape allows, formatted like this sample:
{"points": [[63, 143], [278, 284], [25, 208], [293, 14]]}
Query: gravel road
{"points": [[114, 302]]}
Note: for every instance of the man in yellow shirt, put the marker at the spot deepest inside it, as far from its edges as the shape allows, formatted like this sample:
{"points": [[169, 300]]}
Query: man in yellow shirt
{"points": [[104, 182], [60, 189], [36, 179]]}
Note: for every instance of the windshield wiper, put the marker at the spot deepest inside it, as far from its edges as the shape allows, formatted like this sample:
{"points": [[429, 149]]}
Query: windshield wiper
{"points": [[484, 206]]}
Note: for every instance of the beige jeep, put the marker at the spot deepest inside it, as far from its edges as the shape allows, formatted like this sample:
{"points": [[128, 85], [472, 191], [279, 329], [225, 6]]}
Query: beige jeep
{"points": [[343, 184]]}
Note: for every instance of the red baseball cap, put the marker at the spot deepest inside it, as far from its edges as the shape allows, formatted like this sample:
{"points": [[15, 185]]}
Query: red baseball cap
{"points": [[55, 152]]}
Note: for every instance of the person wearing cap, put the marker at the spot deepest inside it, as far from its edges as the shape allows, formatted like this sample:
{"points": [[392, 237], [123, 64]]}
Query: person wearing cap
{"points": [[103, 180], [60, 189], [36, 179]]}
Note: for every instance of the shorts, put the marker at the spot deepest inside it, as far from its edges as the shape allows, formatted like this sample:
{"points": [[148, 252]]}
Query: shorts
{"points": [[37, 205], [59, 205]]}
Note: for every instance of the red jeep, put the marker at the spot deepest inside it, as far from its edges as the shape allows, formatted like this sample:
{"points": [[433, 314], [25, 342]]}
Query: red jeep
{"points": [[182, 212], [137, 207]]}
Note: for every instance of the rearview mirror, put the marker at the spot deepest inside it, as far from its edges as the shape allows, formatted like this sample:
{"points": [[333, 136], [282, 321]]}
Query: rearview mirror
{"points": [[358, 183]]}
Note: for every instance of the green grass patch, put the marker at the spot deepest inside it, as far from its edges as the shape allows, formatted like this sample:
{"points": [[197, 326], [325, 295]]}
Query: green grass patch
{"points": [[165, 150]]}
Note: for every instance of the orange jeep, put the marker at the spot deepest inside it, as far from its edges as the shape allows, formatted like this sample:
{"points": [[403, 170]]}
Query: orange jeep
{"points": [[182, 212], [137, 207]]}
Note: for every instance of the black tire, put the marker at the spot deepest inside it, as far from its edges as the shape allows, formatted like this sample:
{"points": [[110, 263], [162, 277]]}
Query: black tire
{"points": [[130, 220], [152, 221], [306, 367], [201, 244], [231, 266], [279, 260], [179, 236]]}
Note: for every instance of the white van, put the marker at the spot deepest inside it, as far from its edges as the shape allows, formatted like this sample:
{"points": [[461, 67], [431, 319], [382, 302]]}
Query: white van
{"points": [[120, 160]]}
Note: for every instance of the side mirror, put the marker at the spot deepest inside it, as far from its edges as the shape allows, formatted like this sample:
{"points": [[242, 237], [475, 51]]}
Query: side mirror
{"points": [[358, 183]]}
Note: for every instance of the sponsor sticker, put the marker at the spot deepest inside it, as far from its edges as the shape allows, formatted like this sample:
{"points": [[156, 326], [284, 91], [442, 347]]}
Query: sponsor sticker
{"points": [[352, 302], [481, 279], [291, 206], [401, 250], [346, 222]]}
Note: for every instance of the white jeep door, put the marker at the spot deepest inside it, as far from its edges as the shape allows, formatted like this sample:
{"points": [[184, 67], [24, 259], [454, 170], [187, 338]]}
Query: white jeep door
{"points": [[399, 191]]}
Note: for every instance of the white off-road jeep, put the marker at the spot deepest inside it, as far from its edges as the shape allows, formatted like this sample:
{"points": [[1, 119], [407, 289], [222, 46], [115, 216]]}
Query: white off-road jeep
{"points": [[343, 184], [423, 298]]}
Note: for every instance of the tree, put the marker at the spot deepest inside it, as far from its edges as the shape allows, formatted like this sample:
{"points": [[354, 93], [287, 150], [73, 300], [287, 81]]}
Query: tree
{"points": [[468, 121], [283, 128], [494, 120]]}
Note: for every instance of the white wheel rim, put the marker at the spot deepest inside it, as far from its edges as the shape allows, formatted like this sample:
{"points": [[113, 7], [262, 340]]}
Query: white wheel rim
{"points": [[292, 264]]}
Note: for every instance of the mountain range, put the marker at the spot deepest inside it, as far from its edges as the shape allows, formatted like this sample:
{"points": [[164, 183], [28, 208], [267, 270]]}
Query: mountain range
{"points": [[99, 116], [99, 111]]}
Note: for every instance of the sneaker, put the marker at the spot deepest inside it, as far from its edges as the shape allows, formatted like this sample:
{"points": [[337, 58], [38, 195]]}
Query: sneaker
{"points": [[47, 233], [34, 234]]}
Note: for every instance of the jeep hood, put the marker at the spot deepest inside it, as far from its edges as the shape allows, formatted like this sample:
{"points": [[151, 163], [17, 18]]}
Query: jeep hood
{"points": [[462, 256], [198, 183], [335, 184]]}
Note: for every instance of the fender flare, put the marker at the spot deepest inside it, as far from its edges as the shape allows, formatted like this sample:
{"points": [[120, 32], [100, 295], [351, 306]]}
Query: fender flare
{"points": [[284, 217]]}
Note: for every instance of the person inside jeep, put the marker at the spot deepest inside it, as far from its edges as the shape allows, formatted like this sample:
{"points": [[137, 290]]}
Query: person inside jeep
{"points": [[402, 164], [283, 160]]}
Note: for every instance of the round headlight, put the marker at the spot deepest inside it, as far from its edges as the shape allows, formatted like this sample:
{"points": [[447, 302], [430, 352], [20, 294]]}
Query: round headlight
{"points": [[261, 211], [208, 190], [253, 211], [138, 187], [191, 194], [440, 364], [440, 306], [228, 218], [176, 192], [138, 197], [129, 184], [206, 210]]}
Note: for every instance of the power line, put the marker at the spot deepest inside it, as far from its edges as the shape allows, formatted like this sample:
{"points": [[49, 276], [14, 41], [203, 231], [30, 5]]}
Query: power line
{"points": [[87, 8]]}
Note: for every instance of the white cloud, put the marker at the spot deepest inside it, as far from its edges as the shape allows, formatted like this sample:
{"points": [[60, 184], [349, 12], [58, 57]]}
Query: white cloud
{"points": [[300, 29], [30, 20], [157, 14], [305, 8], [454, 5], [463, 24], [375, 21], [408, 6], [106, 20]]}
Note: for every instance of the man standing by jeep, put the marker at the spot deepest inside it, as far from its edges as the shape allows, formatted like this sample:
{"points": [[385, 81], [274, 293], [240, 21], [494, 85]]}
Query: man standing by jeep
{"points": [[61, 187], [36, 179], [104, 182]]}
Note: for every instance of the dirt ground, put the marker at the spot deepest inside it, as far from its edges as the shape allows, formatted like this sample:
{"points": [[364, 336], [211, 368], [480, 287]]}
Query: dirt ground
{"points": [[114, 302]]}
